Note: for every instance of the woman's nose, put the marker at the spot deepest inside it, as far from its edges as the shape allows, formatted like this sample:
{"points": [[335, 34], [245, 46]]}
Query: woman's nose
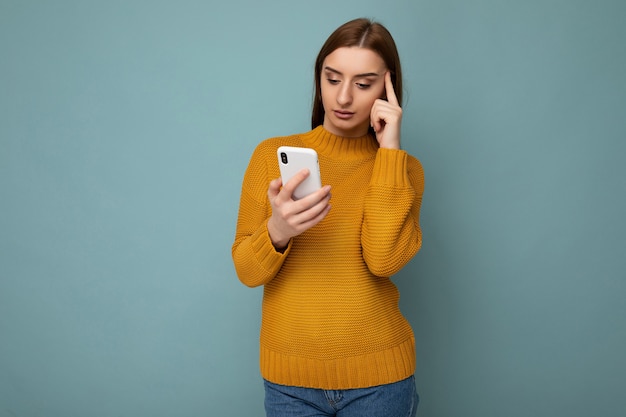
{"points": [[344, 96]]}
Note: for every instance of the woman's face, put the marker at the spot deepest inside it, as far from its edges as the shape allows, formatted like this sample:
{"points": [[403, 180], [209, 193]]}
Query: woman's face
{"points": [[352, 78]]}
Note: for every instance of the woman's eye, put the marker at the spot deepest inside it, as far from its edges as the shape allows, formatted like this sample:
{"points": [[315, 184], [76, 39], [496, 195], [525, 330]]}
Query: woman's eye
{"points": [[333, 81], [363, 86]]}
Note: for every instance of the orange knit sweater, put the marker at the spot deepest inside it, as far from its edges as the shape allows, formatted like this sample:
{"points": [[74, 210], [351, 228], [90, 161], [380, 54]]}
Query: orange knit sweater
{"points": [[330, 312]]}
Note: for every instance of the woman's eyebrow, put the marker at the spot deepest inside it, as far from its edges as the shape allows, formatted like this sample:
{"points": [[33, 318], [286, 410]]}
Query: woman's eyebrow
{"points": [[366, 74]]}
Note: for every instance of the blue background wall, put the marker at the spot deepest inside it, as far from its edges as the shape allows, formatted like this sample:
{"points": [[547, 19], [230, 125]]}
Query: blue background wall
{"points": [[125, 127]]}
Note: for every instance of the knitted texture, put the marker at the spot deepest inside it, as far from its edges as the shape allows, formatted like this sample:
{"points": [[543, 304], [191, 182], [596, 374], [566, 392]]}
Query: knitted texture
{"points": [[330, 312]]}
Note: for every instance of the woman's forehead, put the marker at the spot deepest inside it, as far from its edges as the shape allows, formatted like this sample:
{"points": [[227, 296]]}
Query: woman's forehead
{"points": [[351, 61]]}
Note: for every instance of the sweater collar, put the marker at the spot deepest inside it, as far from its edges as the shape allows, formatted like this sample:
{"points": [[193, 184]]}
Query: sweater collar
{"points": [[333, 146]]}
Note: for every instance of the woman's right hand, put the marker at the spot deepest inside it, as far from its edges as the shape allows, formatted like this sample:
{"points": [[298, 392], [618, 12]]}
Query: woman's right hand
{"points": [[292, 217]]}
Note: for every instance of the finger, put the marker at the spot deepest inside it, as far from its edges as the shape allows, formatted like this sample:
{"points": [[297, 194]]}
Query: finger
{"points": [[312, 214], [274, 188], [315, 197], [391, 93], [293, 183], [317, 218], [375, 116]]}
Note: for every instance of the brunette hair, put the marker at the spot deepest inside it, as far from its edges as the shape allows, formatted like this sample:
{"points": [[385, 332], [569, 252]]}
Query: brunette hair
{"points": [[362, 33]]}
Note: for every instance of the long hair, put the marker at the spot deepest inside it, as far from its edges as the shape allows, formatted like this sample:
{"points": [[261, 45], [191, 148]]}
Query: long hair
{"points": [[362, 33]]}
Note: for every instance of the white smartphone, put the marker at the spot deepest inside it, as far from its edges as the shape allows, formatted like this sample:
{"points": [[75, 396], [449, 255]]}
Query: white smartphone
{"points": [[291, 160]]}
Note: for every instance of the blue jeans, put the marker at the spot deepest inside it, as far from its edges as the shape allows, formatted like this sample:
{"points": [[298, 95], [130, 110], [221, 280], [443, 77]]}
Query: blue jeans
{"points": [[399, 399]]}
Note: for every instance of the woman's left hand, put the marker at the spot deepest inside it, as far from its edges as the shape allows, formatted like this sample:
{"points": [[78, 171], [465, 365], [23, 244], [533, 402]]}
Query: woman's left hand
{"points": [[386, 117]]}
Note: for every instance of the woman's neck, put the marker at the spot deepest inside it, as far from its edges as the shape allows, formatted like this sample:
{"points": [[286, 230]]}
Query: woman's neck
{"points": [[335, 146]]}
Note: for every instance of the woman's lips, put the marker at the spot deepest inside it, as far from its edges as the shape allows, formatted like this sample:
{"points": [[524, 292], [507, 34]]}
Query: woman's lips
{"points": [[341, 114]]}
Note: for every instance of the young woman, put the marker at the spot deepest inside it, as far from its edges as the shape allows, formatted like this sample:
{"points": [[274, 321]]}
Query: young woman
{"points": [[333, 340]]}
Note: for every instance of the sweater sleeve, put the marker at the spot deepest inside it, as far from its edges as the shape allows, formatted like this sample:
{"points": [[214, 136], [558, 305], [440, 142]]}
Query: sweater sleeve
{"points": [[255, 258], [391, 233]]}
